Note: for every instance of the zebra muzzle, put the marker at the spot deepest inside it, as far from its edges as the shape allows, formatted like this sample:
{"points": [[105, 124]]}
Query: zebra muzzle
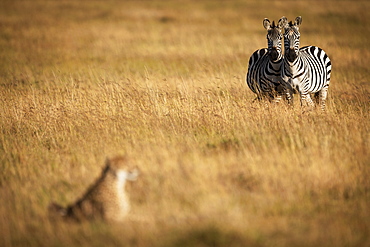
{"points": [[274, 54], [290, 55]]}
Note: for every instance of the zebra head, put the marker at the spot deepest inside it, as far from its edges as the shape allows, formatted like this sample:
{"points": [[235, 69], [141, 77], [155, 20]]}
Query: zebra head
{"points": [[274, 37], [291, 39]]}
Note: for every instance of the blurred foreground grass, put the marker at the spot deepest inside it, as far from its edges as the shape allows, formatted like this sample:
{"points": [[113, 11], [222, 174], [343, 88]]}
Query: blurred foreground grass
{"points": [[163, 81]]}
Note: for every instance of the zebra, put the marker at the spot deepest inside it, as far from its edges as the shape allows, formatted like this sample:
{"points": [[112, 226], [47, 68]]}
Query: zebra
{"points": [[264, 67], [307, 69]]}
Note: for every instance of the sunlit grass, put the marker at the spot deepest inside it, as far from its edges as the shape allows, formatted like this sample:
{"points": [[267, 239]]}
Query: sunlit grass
{"points": [[164, 84]]}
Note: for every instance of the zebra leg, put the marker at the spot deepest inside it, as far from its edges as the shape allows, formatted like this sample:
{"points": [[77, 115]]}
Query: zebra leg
{"points": [[317, 97], [289, 97], [303, 100], [309, 101], [287, 90], [277, 98], [259, 97], [306, 101], [322, 99], [276, 94]]}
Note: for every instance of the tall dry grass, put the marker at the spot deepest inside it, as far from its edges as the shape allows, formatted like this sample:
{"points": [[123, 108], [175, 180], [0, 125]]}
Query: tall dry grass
{"points": [[163, 82]]}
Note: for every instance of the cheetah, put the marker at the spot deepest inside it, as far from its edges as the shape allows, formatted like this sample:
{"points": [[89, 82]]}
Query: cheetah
{"points": [[105, 199]]}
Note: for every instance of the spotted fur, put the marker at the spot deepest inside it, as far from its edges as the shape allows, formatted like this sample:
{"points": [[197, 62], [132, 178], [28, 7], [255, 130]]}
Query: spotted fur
{"points": [[106, 198]]}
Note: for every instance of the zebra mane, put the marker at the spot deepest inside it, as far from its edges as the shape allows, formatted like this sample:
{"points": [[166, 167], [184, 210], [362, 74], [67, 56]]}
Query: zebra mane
{"points": [[291, 24]]}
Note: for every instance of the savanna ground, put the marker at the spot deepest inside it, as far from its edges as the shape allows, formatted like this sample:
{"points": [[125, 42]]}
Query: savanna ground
{"points": [[163, 82]]}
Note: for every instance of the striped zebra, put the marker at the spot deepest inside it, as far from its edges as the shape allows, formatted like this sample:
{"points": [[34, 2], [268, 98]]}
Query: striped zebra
{"points": [[307, 69], [264, 67]]}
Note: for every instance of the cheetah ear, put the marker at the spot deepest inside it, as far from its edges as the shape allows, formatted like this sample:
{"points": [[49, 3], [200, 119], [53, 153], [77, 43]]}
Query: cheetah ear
{"points": [[298, 21], [266, 23], [283, 22], [106, 164], [106, 167], [107, 161]]}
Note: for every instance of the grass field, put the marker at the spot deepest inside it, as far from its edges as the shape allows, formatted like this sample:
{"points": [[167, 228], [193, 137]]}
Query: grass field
{"points": [[164, 83]]}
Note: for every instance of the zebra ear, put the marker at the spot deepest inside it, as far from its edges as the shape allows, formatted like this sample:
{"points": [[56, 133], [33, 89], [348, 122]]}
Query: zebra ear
{"points": [[266, 23], [298, 21], [283, 22]]}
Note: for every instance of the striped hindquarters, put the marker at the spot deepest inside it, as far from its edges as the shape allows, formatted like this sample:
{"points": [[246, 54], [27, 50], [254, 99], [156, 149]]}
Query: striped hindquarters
{"points": [[317, 65]]}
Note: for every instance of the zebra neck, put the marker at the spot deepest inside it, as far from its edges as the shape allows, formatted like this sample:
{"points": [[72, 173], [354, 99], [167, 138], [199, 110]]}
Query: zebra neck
{"points": [[293, 69], [277, 62], [292, 65], [275, 65]]}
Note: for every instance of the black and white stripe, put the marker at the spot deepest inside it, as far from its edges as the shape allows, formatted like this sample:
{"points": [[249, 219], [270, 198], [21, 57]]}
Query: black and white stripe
{"points": [[265, 65], [307, 69]]}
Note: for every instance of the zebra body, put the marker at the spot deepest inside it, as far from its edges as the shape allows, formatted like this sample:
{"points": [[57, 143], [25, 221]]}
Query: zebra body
{"points": [[264, 75], [307, 69], [265, 65]]}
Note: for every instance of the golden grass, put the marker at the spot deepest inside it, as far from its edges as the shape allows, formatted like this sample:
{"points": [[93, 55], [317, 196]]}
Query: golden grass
{"points": [[163, 82]]}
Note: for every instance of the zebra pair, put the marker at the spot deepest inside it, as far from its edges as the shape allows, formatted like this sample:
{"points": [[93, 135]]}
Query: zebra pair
{"points": [[304, 70]]}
